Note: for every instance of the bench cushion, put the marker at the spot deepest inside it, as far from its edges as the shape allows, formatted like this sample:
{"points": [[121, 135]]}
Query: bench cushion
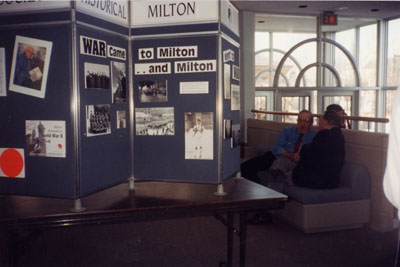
{"points": [[354, 185], [315, 196]]}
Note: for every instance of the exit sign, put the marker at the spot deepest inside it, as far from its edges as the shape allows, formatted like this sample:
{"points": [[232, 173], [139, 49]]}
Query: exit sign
{"points": [[329, 19]]}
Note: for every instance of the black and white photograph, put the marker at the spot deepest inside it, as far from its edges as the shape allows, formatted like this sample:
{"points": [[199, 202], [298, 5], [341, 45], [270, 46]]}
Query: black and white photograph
{"points": [[30, 66], [153, 91], [235, 73], [227, 129], [199, 140], [3, 89], [121, 119], [235, 97], [98, 120], [45, 138], [155, 121], [229, 55], [227, 81], [118, 82], [97, 76], [235, 141]]}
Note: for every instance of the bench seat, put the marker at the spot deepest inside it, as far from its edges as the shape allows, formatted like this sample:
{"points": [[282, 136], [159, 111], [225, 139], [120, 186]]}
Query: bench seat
{"points": [[318, 210]]}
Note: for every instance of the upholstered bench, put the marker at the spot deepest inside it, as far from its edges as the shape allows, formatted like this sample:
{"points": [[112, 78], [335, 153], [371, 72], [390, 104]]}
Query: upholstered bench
{"points": [[318, 210]]}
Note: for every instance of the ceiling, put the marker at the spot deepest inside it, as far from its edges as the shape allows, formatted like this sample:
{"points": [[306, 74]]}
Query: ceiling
{"points": [[277, 15]]}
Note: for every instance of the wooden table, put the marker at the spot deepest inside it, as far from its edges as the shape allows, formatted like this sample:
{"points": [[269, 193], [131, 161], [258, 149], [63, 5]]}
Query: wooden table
{"points": [[149, 201]]}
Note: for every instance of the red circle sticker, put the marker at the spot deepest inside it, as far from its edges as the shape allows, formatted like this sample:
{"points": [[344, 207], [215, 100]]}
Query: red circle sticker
{"points": [[11, 162]]}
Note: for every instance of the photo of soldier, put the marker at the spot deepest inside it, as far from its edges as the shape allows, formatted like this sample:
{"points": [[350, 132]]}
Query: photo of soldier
{"points": [[118, 82], [98, 120]]}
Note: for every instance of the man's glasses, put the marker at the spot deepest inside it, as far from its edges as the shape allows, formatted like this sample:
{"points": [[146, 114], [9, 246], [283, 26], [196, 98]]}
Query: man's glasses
{"points": [[304, 121]]}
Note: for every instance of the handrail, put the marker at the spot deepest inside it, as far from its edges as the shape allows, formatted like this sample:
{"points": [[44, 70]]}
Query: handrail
{"points": [[355, 118]]}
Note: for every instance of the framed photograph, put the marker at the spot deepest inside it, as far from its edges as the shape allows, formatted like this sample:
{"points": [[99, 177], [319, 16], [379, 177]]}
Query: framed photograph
{"points": [[155, 121], [121, 119], [235, 141], [229, 55], [236, 73], [118, 82], [45, 138], [153, 91], [227, 129], [97, 76], [227, 81], [3, 89], [235, 97], [30, 66], [98, 120], [199, 129]]}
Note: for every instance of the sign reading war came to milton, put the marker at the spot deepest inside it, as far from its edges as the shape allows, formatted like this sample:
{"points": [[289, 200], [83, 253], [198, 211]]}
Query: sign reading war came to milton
{"points": [[172, 52]]}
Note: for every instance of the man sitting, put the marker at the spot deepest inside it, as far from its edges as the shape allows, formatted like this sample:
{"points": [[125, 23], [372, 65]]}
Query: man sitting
{"points": [[322, 160], [339, 110], [286, 145]]}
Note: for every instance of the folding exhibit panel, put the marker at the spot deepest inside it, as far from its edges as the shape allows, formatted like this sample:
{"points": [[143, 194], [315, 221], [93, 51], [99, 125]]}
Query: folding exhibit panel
{"points": [[65, 124], [185, 58]]}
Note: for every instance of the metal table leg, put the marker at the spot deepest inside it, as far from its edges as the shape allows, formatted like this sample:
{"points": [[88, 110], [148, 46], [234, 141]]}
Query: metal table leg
{"points": [[243, 237]]}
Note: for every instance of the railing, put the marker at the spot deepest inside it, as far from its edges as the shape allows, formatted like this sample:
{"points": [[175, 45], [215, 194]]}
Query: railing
{"points": [[346, 118]]}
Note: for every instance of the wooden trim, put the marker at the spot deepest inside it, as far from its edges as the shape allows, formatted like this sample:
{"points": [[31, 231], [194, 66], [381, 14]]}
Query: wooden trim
{"points": [[353, 118]]}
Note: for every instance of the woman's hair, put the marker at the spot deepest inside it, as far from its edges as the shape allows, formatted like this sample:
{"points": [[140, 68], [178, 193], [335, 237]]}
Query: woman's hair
{"points": [[333, 118]]}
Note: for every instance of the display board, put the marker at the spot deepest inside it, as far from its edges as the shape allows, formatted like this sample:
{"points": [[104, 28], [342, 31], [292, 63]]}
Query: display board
{"points": [[35, 107], [231, 106], [64, 100], [186, 92], [105, 157], [175, 83], [74, 76]]}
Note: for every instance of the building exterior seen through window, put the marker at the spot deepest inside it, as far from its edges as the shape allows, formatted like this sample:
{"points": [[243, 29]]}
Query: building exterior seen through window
{"points": [[358, 93]]}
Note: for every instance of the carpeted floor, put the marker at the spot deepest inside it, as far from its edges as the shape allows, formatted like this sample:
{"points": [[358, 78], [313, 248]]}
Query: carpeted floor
{"points": [[202, 242]]}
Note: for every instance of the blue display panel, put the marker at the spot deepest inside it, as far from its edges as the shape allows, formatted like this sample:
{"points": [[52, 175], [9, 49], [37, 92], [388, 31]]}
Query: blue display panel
{"points": [[104, 137], [45, 172], [231, 108], [188, 68], [46, 146]]}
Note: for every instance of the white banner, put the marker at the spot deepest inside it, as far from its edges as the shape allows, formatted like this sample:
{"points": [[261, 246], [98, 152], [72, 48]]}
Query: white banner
{"points": [[115, 11], [31, 5], [149, 12]]}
